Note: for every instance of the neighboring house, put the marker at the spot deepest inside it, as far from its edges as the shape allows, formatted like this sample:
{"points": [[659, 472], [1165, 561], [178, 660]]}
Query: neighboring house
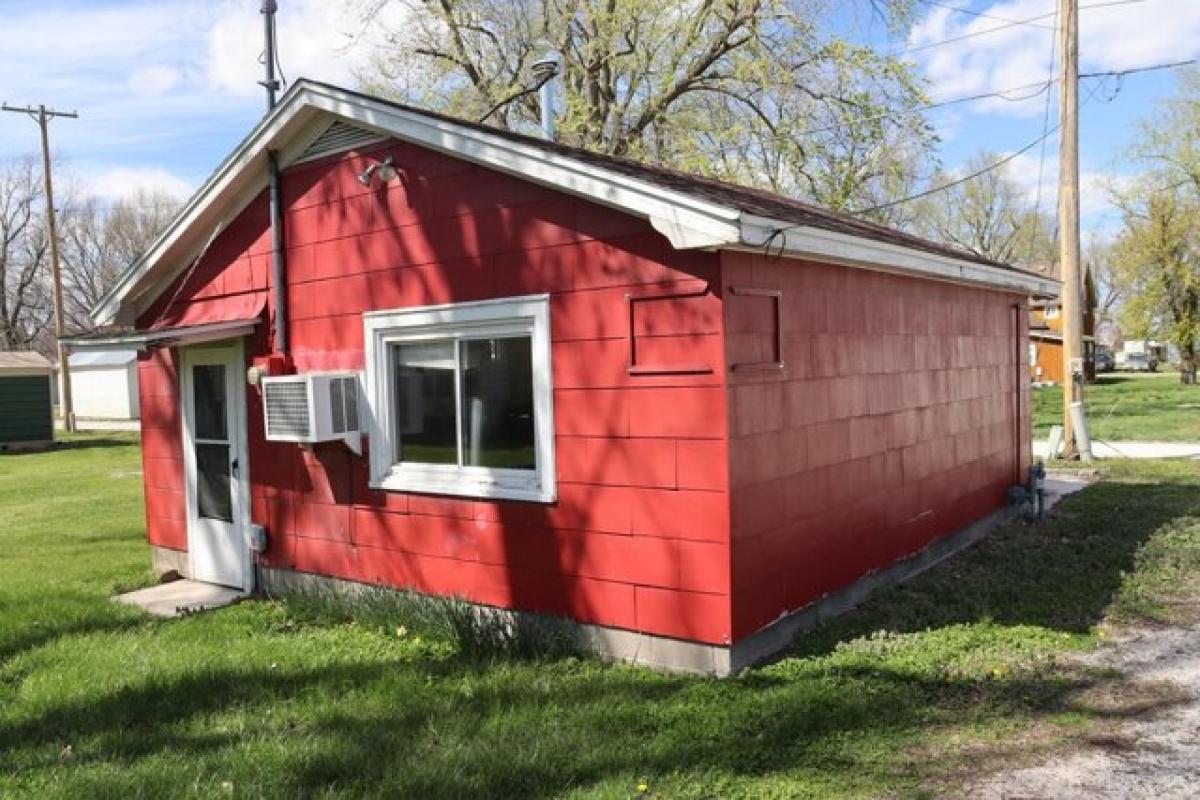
{"points": [[673, 409], [1046, 337], [26, 411], [104, 385]]}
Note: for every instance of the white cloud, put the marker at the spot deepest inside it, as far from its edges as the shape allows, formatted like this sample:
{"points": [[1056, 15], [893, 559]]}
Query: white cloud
{"points": [[1111, 37], [1094, 185], [316, 39], [153, 81], [116, 183]]}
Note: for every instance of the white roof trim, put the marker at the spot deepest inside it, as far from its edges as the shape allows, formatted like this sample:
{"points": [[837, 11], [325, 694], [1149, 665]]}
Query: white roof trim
{"points": [[142, 340], [819, 244], [687, 221]]}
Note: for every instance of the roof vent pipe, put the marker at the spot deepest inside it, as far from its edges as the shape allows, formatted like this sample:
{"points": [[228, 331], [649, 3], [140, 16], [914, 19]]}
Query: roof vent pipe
{"points": [[545, 71], [270, 83], [274, 192]]}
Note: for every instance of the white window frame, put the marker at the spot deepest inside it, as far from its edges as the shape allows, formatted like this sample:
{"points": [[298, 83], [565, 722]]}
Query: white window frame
{"points": [[516, 316]]}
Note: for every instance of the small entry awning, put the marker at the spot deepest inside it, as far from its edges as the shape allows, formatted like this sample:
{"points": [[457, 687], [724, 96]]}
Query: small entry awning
{"points": [[195, 323]]}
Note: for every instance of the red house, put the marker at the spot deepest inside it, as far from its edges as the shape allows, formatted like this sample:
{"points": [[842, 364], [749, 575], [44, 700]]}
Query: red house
{"points": [[691, 416]]}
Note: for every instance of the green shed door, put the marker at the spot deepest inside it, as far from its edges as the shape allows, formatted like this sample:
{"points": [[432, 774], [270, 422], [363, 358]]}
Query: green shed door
{"points": [[25, 409]]}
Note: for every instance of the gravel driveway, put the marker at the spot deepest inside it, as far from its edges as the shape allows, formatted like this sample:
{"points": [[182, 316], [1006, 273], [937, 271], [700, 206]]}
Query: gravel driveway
{"points": [[1162, 756]]}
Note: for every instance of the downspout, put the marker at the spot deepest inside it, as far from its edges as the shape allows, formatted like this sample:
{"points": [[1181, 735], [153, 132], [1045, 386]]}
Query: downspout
{"points": [[278, 258]]}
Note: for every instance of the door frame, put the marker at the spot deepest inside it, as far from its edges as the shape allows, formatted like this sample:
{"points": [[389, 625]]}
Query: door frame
{"points": [[241, 495]]}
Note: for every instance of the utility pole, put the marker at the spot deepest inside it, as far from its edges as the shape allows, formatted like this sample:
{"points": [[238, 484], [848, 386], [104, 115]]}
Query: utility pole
{"points": [[1075, 436], [42, 116]]}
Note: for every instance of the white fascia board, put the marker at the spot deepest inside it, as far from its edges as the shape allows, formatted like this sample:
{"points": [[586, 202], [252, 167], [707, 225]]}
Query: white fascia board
{"points": [[841, 248], [240, 175], [688, 222], [141, 340]]}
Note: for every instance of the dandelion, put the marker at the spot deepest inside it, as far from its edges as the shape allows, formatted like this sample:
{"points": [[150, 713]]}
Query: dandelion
{"points": [[643, 787]]}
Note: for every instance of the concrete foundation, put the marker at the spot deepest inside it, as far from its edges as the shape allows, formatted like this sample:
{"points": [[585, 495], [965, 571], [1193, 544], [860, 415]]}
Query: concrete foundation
{"points": [[773, 639], [663, 652], [164, 560]]}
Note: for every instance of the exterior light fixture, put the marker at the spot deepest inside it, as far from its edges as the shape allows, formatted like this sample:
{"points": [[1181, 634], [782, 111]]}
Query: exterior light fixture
{"points": [[383, 169]]}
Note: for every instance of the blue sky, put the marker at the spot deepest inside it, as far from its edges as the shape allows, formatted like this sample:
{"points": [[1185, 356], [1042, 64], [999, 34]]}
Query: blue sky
{"points": [[165, 89]]}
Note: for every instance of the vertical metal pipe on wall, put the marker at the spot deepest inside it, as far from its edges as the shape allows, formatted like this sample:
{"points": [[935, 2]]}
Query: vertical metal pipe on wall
{"points": [[278, 262]]}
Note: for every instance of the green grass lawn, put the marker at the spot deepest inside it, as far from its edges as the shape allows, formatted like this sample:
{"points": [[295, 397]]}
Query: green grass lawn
{"points": [[958, 671], [1128, 407]]}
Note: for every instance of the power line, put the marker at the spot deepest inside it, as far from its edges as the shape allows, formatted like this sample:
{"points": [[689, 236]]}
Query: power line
{"points": [[1038, 88], [958, 181], [1002, 94], [1121, 73], [969, 12], [1011, 24], [1037, 205], [978, 173]]}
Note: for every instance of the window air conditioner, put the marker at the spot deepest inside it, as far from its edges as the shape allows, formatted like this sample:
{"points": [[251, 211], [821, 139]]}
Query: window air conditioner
{"points": [[313, 407]]}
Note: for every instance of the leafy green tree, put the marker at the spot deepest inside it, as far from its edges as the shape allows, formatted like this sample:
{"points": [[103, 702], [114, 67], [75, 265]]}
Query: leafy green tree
{"points": [[1157, 255], [755, 91], [1157, 260]]}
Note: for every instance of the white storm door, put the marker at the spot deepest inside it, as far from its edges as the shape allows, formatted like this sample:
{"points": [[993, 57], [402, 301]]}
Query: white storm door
{"points": [[213, 456]]}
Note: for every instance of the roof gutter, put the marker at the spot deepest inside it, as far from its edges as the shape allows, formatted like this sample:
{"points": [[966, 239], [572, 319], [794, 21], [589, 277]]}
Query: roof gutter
{"points": [[162, 337], [818, 244]]}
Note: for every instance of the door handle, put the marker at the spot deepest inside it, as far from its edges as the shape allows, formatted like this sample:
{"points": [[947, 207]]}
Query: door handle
{"points": [[233, 468]]}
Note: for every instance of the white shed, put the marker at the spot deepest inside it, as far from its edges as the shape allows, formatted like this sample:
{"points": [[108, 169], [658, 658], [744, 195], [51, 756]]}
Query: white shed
{"points": [[104, 384]]}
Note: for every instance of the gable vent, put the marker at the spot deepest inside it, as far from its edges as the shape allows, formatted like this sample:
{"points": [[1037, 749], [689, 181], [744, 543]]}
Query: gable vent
{"points": [[338, 138]]}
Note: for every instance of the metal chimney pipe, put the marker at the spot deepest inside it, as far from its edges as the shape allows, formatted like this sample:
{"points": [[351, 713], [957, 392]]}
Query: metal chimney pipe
{"points": [[546, 71], [268, 10]]}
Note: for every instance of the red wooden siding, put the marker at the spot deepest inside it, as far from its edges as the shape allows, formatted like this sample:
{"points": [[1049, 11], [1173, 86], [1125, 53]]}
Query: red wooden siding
{"points": [[703, 492], [639, 537], [162, 451], [893, 422]]}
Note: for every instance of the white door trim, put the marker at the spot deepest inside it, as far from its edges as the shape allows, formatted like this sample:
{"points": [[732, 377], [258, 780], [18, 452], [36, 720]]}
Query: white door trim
{"points": [[241, 495]]}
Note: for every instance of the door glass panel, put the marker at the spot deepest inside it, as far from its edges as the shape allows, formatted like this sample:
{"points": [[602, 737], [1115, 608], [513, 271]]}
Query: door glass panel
{"points": [[425, 412], [209, 383], [213, 498], [497, 403]]}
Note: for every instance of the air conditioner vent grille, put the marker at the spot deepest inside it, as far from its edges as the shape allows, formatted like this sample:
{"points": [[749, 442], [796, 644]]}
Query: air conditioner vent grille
{"points": [[287, 409], [343, 403]]}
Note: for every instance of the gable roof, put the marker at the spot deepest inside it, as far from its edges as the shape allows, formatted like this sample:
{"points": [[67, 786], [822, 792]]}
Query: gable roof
{"points": [[692, 212]]}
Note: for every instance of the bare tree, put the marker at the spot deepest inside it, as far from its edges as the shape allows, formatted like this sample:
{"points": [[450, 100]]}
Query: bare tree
{"points": [[1099, 262], [989, 215], [99, 242], [755, 91], [25, 308]]}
